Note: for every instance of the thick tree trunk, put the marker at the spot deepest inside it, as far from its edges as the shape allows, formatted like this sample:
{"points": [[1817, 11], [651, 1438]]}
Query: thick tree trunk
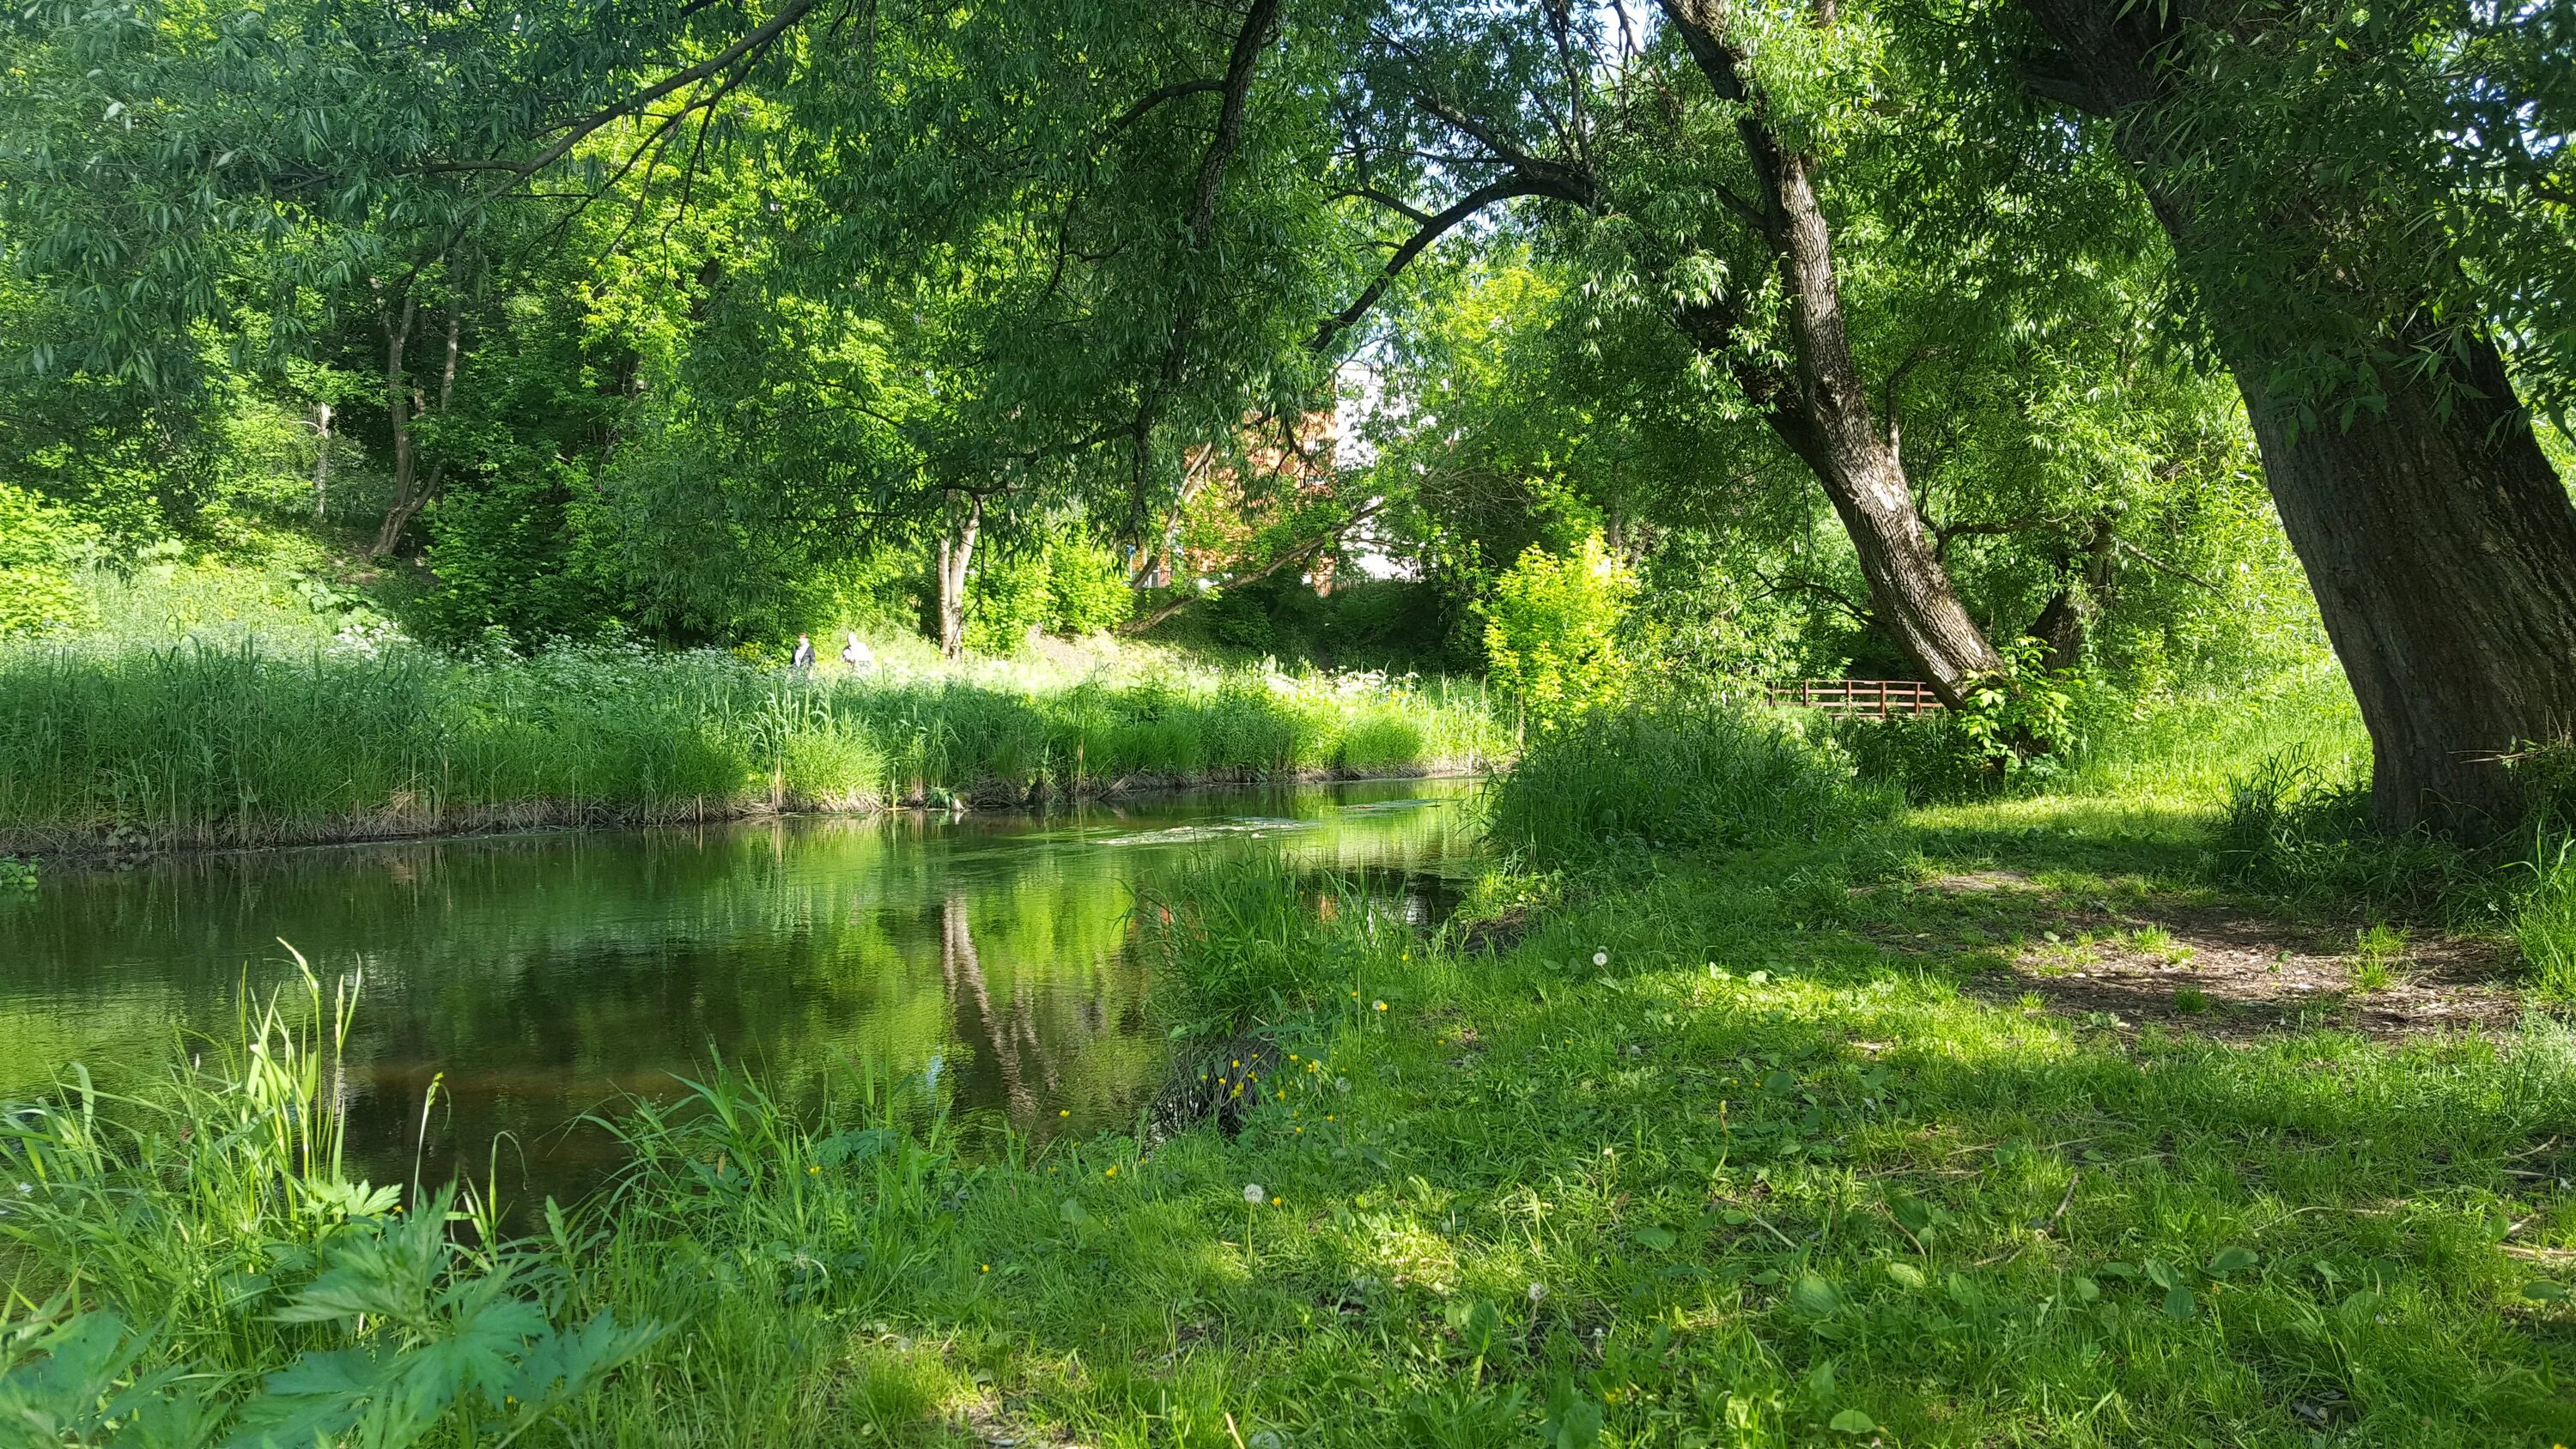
{"points": [[2439, 541], [954, 555], [2442, 548], [1819, 404]]}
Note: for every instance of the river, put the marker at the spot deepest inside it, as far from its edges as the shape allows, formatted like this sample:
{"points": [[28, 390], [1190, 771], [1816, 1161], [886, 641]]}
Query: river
{"points": [[539, 978]]}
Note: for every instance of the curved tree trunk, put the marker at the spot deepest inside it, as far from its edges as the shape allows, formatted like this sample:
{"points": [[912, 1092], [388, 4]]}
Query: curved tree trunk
{"points": [[1819, 405], [2439, 541]]}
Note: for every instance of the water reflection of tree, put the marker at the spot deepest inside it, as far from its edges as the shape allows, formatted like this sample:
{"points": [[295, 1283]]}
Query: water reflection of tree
{"points": [[1013, 1033]]}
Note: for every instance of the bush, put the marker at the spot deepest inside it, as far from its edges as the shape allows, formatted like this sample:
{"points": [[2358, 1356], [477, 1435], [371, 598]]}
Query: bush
{"points": [[39, 547], [1551, 631], [1086, 588], [1927, 757], [1066, 585], [504, 553], [1674, 775]]}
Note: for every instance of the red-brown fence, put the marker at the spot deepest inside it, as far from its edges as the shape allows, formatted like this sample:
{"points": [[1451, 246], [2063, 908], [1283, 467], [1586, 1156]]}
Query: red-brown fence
{"points": [[1881, 697]]}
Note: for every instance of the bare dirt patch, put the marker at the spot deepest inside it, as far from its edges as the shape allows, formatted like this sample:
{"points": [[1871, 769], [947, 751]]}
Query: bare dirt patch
{"points": [[2226, 972]]}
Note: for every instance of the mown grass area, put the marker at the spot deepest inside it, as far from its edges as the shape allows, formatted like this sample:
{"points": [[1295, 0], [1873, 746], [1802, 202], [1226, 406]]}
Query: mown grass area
{"points": [[1673, 1147], [233, 744]]}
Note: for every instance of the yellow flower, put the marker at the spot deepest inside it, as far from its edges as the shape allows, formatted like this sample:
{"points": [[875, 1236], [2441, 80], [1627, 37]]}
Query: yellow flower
{"points": [[1113, 1172], [1381, 1006], [1064, 1111], [988, 1267], [813, 1171]]}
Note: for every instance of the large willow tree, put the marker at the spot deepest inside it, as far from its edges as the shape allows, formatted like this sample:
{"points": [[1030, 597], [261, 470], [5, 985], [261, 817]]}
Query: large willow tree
{"points": [[2377, 208]]}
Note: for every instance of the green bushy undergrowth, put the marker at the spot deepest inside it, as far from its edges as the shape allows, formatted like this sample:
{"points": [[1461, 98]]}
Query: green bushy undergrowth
{"points": [[1673, 775]]}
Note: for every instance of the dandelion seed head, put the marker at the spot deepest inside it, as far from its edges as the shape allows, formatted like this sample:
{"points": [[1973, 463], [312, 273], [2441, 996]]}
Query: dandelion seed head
{"points": [[1252, 1193]]}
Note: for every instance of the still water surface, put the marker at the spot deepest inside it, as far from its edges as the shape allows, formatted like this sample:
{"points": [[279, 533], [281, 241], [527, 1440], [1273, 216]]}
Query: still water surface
{"points": [[540, 977]]}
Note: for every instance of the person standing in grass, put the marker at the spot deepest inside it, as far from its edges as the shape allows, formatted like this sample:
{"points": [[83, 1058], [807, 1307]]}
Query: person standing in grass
{"points": [[802, 666], [856, 655]]}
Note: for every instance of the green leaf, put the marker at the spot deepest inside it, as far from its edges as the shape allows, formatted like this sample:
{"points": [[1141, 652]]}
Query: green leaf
{"points": [[2178, 1302], [1072, 1211], [2232, 1260], [1906, 1274], [2541, 1290], [1573, 1421], [1813, 1295], [1476, 1323], [2161, 1273], [1853, 1421], [1654, 1239]]}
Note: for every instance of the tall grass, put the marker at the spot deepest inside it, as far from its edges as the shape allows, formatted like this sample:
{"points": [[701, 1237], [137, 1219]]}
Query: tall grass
{"points": [[210, 1273], [232, 744], [1674, 775]]}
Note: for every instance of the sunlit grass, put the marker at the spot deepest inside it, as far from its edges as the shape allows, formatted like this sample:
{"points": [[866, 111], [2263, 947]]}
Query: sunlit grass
{"points": [[234, 745]]}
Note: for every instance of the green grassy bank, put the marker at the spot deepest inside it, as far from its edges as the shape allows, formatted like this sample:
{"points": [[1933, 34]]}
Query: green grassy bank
{"points": [[201, 745], [1808, 1139]]}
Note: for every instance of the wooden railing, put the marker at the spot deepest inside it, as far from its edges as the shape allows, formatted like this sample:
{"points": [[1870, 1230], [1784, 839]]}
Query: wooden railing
{"points": [[1881, 697]]}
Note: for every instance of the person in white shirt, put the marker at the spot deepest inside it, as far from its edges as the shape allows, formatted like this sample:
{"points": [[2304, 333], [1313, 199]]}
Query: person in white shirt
{"points": [[856, 655]]}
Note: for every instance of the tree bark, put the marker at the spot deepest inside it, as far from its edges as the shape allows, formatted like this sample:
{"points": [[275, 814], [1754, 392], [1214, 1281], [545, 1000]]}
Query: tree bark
{"points": [[410, 496], [2439, 541], [2442, 548], [955, 552], [2066, 621], [1819, 404], [399, 399]]}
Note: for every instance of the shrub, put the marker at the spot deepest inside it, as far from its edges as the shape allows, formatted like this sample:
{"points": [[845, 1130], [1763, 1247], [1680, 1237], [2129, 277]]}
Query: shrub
{"points": [[1674, 775], [39, 546], [1551, 631], [1065, 585], [1086, 588], [1928, 757]]}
